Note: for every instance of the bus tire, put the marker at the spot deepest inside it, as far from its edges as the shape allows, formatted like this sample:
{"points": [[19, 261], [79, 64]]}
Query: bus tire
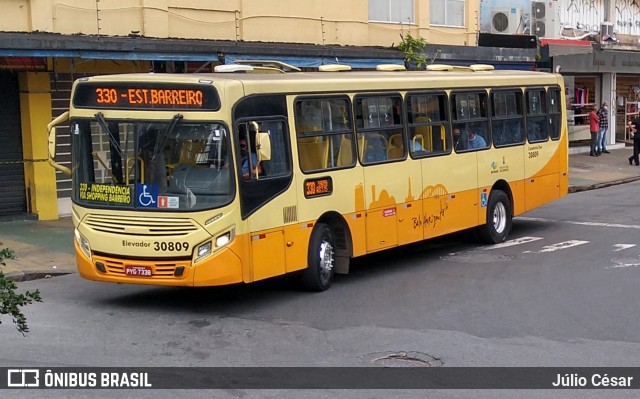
{"points": [[498, 223], [319, 272]]}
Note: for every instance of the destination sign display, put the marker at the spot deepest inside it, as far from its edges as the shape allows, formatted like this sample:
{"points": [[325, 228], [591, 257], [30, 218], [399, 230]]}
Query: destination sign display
{"points": [[318, 187], [135, 95]]}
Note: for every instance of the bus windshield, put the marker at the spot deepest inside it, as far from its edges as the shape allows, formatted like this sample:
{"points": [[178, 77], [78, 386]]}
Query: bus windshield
{"points": [[157, 165]]}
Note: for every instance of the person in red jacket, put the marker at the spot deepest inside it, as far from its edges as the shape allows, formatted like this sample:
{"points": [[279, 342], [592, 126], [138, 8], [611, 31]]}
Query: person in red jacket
{"points": [[594, 127]]}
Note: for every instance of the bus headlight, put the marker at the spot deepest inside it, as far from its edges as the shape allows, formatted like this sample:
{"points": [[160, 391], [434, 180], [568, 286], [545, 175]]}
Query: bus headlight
{"points": [[203, 250], [83, 243], [209, 247], [223, 240]]}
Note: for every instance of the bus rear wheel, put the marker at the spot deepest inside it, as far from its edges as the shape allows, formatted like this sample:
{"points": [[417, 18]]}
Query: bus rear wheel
{"points": [[319, 272], [498, 223]]}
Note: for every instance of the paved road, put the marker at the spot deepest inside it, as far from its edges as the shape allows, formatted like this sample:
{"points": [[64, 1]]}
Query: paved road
{"points": [[562, 292]]}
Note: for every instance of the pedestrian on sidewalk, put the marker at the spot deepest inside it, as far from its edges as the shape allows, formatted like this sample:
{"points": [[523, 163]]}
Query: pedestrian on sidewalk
{"points": [[594, 128], [601, 143], [635, 125]]}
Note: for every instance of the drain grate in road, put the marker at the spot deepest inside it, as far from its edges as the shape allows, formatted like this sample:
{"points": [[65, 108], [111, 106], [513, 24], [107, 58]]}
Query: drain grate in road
{"points": [[406, 359]]}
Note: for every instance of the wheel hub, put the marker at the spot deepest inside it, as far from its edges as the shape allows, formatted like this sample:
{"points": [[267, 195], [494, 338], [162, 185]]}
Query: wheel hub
{"points": [[499, 218], [326, 257]]}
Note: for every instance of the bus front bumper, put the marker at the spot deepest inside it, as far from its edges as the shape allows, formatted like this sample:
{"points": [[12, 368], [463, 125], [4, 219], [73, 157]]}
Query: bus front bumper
{"points": [[221, 268]]}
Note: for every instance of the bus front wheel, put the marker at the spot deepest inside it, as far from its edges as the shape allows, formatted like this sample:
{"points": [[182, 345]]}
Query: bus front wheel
{"points": [[319, 272], [498, 222]]}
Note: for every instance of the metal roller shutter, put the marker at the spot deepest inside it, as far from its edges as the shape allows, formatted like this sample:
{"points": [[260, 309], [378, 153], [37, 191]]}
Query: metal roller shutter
{"points": [[12, 194]]}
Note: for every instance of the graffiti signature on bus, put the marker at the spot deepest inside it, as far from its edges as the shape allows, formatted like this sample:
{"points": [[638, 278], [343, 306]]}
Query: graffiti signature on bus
{"points": [[430, 220]]}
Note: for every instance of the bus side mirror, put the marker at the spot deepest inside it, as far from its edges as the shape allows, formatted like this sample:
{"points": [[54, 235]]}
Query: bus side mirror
{"points": [[51, 128], [263, 146]]}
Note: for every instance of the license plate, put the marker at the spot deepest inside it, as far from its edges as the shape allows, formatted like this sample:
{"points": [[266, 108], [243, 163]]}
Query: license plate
{"points": [[137, 271]]}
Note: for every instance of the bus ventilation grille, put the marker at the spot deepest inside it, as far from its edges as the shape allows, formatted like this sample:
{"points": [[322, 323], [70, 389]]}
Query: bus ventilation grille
{"points": [[290, 214], [140, 226]]}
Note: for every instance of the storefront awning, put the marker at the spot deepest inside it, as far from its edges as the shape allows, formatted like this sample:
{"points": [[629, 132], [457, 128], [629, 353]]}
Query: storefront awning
{"points": [[111, 55], [567, 47]]}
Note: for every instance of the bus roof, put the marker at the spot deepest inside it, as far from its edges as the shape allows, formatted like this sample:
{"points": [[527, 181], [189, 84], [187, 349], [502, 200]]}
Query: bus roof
{"points": [[348, 81]]}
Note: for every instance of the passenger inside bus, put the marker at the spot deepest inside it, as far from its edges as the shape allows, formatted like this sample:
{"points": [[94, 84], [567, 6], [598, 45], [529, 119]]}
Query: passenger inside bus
{"points": [[460, 138], [249, 159], [475, 139], [375, 148]]}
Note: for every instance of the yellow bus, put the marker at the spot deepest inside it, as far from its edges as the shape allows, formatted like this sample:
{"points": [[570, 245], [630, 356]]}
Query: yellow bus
{"points": [[237, 176]]}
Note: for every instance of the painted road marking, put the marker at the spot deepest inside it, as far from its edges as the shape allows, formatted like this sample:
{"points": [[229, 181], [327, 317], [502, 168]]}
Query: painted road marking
{"points": [[624, 262], [623, 246], [510, 243], [558, 246], [597, 224]]}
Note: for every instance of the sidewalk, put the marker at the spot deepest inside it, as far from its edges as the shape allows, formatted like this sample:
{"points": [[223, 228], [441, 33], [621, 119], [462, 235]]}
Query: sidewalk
{"points": [[587, 172], [45, 248]]}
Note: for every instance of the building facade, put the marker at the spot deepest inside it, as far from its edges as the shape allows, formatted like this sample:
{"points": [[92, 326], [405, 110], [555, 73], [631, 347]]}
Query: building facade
{"points": [[46, 44]]}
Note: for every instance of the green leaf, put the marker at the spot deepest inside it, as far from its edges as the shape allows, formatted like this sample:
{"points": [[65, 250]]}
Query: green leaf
{"points": [[12, 302]]}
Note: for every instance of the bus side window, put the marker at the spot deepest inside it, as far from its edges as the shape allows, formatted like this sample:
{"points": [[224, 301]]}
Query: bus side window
{"points": [[428, 119], [378, 119]]}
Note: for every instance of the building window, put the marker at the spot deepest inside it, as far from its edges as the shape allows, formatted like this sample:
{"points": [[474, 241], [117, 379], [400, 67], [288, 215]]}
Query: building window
{"points": [[400, 11], [447, 12]]}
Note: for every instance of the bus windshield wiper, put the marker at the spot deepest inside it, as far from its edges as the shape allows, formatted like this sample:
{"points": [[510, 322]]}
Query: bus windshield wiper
{"points": [[165, 136], [103, 124]]}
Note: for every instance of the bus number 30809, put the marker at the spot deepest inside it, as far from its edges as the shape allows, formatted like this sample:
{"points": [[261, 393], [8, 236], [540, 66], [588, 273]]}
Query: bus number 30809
{"points": [[170, 246]]}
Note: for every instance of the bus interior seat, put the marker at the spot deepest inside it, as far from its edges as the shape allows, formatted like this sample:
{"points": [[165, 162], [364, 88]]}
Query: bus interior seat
{"points": [[396, 146], [187, 179], [418, 138], [189, 151], [425, 131], [514, 131], [345, 153], [313, 152], [441, 144], [375, 147], [360, 138]]}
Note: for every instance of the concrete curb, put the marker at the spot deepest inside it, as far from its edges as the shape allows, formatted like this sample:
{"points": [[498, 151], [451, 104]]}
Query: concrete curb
{"points": [[21, 276], [586, 187]]}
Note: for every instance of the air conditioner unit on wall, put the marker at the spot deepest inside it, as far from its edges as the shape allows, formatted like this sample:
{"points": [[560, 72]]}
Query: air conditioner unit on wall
{"points": [[545, 19], [506, 20]]}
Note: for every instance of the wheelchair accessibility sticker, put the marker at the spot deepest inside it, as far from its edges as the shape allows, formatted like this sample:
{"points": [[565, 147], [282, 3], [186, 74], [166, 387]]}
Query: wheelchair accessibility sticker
{"points": [[147, 195], [483, 200]]}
